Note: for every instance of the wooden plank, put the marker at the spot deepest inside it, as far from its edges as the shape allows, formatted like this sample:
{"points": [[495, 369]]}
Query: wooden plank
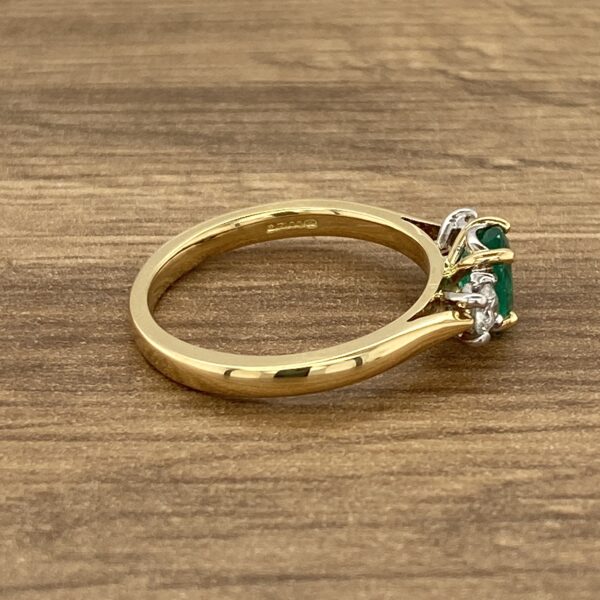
{"points": [[464, 473]]}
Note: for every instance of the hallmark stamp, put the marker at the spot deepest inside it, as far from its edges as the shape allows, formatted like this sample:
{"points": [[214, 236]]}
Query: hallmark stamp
{"points": [[293, 224]]}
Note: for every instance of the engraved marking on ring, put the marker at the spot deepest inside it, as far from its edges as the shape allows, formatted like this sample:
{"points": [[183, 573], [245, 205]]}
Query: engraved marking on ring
{"points": [[293, 224]]}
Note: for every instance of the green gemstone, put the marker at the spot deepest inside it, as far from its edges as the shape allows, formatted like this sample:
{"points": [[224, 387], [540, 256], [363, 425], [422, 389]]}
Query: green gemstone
{"points": [[494, 238]]}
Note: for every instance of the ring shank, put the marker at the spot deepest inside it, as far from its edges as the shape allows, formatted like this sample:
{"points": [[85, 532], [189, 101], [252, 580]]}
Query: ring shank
{"points": [[281, 225], [247, 375]]}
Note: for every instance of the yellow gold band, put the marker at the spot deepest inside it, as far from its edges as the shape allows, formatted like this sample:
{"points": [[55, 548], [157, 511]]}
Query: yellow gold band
{"points": [[283, 375]]}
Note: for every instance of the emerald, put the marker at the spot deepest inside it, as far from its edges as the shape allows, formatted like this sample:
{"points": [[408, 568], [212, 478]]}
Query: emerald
{"points": [[494, 238]]}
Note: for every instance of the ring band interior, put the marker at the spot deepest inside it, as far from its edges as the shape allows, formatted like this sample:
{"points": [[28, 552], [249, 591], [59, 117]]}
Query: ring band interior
{"points": [[281, 226]]}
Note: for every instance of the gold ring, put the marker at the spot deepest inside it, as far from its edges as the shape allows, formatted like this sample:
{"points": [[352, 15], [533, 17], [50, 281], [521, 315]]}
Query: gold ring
{"points": [[468, 294]]}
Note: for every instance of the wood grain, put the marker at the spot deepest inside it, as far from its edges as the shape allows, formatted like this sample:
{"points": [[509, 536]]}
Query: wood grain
{"points": [[462, 474]]}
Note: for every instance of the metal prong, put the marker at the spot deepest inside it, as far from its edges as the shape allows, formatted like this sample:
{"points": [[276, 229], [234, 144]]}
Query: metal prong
{"points": [[457, 248], [498, 322], [467, 299], [452, 224], [482, 277], [472, 240], [507, 322], [484, 338], [481, 259]]}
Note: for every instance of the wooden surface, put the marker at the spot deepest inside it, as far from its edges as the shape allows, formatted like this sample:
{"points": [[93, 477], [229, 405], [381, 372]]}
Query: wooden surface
{"points": [[462, 474]]}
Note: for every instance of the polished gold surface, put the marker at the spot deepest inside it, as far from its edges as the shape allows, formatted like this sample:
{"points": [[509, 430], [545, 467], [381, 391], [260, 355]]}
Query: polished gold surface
{"points": [[508, 322], [424, 324]]}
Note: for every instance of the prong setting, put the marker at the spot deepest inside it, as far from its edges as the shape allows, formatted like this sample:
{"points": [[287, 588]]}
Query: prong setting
{"points": [[452, 225], [466, 300], [472, 241], [477, 256], [479, 297], [480, 259], [460, 245]]}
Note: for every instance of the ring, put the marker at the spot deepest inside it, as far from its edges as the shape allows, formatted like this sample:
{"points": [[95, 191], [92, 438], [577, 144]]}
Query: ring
{"points": [[469, 294]]}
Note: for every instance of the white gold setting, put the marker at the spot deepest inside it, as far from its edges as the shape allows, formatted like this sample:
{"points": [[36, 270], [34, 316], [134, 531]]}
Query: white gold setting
{"points": [[453, 223], [479, 298], [468, 257]]}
